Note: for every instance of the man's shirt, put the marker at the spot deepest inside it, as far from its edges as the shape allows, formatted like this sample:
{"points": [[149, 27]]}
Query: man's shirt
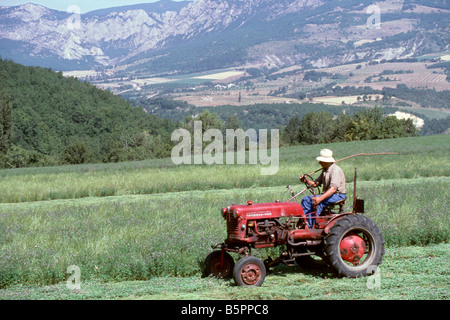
{"points": [[333, 177]]}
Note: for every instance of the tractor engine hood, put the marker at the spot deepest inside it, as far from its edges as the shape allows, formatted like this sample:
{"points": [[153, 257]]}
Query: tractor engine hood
{"points": [[263, 210]]}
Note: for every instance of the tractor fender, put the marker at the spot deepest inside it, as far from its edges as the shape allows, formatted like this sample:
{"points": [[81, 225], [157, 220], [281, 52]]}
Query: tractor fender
{"points": [[333, 220]]}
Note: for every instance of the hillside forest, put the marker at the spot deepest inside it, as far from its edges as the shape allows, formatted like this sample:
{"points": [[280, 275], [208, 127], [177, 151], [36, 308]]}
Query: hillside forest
{"points": [[47, 119]]}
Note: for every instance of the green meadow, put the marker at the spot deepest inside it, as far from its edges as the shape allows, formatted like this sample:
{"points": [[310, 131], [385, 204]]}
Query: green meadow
{"points": [[140, 222], [418, 157]]}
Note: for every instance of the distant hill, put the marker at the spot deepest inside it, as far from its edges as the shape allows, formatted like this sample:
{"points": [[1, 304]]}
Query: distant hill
{"points": [[62, 120]]}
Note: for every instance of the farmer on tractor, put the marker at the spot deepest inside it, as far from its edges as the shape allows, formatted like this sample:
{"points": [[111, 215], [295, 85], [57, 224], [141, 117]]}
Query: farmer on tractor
{"points": [[348, 242], [332, 179]]}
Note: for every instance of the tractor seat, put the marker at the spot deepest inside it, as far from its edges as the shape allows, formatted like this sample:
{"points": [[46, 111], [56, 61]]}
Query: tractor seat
{"points": [[331, 206]]}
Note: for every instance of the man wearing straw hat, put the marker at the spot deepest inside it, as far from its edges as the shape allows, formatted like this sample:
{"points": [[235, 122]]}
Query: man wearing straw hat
{"points": [[333, 180]]}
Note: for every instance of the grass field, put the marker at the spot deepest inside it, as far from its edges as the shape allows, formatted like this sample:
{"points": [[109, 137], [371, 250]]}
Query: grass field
{"points": [[418, 157], [152, 224]]}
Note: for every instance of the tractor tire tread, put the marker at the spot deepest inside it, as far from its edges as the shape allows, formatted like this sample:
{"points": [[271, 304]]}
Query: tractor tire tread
{"points": [[342, 226]]}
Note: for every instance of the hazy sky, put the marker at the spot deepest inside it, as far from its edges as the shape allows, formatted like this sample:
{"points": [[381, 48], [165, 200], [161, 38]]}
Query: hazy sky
{"points": [[84, 5]]}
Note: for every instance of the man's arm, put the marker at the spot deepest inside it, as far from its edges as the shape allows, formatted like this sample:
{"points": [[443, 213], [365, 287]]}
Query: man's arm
{"points": [[328, 193]]}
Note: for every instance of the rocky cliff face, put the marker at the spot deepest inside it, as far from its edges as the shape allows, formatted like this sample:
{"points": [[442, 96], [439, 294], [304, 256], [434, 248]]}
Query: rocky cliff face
{"points": [[216, 32], [110, 36]]}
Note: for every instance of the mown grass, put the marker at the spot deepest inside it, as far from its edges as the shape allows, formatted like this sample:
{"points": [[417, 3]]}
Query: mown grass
{"points": [[411, 273], [138, 221]]}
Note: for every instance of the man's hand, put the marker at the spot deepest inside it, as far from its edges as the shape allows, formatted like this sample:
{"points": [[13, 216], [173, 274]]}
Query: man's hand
{"points": [[305, 180], [317, 200]]}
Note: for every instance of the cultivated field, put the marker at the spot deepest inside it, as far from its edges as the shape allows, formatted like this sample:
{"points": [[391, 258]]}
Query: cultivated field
{"points": [[231, 97], [139, 84], [143, 229], [376, 76], [221, 75], [418, 76], [337, 101]]}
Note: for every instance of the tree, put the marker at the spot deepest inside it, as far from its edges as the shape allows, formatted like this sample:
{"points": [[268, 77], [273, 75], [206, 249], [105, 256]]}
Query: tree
{"points": [[6, 123], [233, 122], [341, 125], [18, 157], [75, 153], [210, 121], [435, 126], [316, 127], [291, 132], [366, 125]]}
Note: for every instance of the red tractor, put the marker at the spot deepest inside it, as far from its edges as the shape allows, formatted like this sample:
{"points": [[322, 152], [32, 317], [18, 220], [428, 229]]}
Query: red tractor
{"points": [[348, 242]]}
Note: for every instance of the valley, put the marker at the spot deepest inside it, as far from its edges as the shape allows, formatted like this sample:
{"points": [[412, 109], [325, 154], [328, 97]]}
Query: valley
{"points": [[213, 53], [295, 84]]}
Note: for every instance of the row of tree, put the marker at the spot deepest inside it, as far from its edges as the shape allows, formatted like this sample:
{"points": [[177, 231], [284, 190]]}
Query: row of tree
{"points": [[322, 127]]}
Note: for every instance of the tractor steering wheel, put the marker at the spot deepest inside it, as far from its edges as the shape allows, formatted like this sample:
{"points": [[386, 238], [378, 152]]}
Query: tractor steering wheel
{"points": [[311, 188]]}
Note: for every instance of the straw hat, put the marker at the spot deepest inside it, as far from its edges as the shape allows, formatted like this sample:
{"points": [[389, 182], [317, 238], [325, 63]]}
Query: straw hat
{"points": [[326, 155]]}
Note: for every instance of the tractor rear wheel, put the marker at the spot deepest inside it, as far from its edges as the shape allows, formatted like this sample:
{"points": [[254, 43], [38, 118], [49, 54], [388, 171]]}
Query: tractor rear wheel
{"points": [[249, 271], [354, 246], [219, 266]]}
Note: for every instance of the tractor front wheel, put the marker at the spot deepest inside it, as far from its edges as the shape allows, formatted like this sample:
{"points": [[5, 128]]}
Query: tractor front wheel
{"points": [[249, 271], [354, 246], [219, 264]]}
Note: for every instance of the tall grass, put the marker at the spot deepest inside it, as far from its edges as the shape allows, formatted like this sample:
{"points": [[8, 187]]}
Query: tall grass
{"points": [[139, 237], [138, 220], [418, 157]]}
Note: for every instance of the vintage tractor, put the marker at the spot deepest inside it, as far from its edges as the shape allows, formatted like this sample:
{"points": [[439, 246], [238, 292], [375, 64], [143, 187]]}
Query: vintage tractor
{"points": [[348, 242]]}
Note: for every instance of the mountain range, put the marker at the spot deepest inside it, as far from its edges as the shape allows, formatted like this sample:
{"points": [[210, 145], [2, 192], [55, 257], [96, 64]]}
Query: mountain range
{"points": [[187, 36]]}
